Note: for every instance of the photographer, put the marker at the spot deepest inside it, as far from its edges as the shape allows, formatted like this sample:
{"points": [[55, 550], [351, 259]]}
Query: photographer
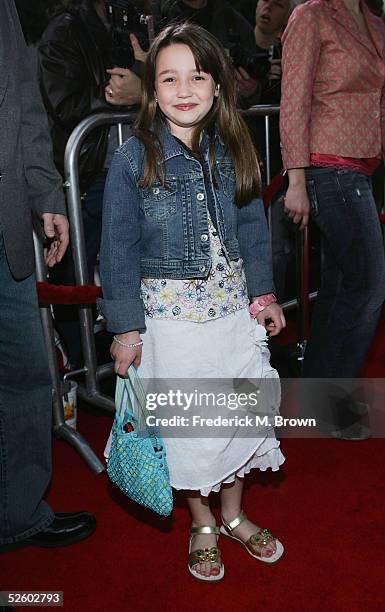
{"points": [[74, 67], [78, 77], [209, 14], [270, 20], [227, 25]]}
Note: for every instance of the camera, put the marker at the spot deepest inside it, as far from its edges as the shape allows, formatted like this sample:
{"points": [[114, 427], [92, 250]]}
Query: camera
{"points": [[257, 65], [126, 17]]}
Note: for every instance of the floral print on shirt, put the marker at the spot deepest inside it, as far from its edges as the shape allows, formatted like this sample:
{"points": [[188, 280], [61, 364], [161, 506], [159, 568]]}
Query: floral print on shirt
{"points": [[199, 300]]}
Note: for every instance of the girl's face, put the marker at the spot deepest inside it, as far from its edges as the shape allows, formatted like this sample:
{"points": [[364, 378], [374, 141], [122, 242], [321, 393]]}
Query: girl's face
{"points": [[184, 94]]}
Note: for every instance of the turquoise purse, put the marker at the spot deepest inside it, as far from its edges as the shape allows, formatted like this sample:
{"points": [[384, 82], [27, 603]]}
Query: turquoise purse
{"points": [[137, 459]]}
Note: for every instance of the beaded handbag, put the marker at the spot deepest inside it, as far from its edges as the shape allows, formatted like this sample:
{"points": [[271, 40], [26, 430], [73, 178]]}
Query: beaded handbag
{"points": [[137, 459]]}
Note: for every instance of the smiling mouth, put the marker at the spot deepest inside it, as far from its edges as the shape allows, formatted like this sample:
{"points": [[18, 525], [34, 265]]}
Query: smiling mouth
{"points": [[185, 107]]}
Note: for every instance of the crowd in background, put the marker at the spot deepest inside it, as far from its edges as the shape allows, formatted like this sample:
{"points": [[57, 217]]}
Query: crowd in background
{"points": [[35, 16]]}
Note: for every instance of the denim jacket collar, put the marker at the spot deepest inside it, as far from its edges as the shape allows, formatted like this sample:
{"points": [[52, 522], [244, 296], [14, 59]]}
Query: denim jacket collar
{"points": [[172, 148]]}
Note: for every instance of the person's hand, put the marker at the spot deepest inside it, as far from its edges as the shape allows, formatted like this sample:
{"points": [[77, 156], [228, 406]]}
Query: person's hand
{"points": [[56, 228], [124, 356], [246, 85], [277, 319], [139, 54], [124, 86], [296, 205], [275, 73]]}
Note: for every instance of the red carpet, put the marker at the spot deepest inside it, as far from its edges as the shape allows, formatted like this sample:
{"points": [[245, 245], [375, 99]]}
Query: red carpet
{"points": [[326, 505]]}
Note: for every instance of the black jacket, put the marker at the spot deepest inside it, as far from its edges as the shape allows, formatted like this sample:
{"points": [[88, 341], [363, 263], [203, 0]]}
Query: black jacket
{"points": [[73, 56]]}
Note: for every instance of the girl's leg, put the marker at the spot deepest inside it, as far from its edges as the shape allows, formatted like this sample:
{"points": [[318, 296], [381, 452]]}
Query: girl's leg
{"points": [[231, 506], [201, 515]]}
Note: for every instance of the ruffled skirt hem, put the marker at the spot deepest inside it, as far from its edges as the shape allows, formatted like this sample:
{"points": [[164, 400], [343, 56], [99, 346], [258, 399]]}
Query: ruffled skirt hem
{"points": [[270, 459]]}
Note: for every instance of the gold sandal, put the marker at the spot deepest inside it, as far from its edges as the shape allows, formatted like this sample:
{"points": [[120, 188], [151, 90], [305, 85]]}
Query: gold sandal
{"points": [[204, 554], [256, 542]]}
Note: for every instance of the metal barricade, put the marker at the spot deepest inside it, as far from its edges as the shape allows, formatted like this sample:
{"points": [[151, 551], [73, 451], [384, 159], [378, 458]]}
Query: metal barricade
{"points": [[61, 429], [93, 373], [302, 244]]}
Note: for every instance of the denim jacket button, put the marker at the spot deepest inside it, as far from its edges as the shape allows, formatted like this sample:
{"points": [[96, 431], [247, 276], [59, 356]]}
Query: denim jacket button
{"points": [[202, 268], [200, 196], [155, 191], [204, 237]]}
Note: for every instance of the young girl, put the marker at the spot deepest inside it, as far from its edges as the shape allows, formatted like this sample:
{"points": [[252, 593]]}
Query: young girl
{"points": [[184, 250]]}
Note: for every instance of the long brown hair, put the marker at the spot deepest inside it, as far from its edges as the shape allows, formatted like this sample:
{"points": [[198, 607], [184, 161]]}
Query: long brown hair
{"points": [[223, 118]]}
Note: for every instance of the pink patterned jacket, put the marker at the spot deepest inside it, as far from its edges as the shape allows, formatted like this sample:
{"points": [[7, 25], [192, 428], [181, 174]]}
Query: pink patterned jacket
{"points": [[333, 84]]}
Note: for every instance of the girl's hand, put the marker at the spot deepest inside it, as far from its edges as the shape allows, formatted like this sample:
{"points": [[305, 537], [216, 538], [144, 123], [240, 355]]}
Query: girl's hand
{"points": [[277, 319], [124, 356]]}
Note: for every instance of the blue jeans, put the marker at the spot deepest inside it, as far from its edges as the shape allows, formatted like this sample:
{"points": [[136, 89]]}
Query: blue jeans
{"points": [[352, 291], [25, 410]]}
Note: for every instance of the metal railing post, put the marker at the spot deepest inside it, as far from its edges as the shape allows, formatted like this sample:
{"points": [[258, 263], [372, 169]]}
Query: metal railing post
{"points": [[302, 243], [91, 392], [303, 311], [265, 111], [61, 429]]}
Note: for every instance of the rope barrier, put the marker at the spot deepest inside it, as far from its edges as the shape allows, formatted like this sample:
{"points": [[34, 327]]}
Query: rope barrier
{"points": [[67, 294], [270, 191]]}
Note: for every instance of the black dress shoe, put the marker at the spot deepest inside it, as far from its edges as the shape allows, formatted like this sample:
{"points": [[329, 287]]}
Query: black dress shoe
{"points": [[66, 528]]}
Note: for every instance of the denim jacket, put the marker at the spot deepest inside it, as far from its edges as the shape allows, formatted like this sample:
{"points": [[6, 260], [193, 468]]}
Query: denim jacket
{"points": [[162, 232]]}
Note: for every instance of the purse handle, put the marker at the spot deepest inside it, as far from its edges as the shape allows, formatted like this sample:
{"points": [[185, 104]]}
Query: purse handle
{"points": [[135, 391], [140, 395]]}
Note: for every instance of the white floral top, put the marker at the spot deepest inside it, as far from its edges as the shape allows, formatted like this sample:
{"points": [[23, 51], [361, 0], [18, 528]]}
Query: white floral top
{"points": [[200, 300]]}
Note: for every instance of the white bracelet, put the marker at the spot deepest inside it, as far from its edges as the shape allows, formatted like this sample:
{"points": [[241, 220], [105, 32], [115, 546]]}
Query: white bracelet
{"points": [[134, 345]]}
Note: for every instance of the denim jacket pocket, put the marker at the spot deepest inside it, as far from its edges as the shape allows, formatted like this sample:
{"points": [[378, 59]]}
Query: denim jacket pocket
{"points": [[227, 176], [312, 194], [159, 202]]}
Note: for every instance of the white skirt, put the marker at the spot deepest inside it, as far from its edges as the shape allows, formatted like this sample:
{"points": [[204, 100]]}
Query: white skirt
{"points": [[230, 348]]}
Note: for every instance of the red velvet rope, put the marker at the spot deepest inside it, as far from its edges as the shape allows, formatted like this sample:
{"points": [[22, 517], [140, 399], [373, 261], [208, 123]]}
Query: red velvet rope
{"points": [[63, 294], [270, 190]]}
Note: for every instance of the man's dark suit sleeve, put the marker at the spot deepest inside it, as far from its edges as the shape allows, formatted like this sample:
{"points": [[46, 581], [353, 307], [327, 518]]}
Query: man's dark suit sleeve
{"points": [[45, 191]]}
